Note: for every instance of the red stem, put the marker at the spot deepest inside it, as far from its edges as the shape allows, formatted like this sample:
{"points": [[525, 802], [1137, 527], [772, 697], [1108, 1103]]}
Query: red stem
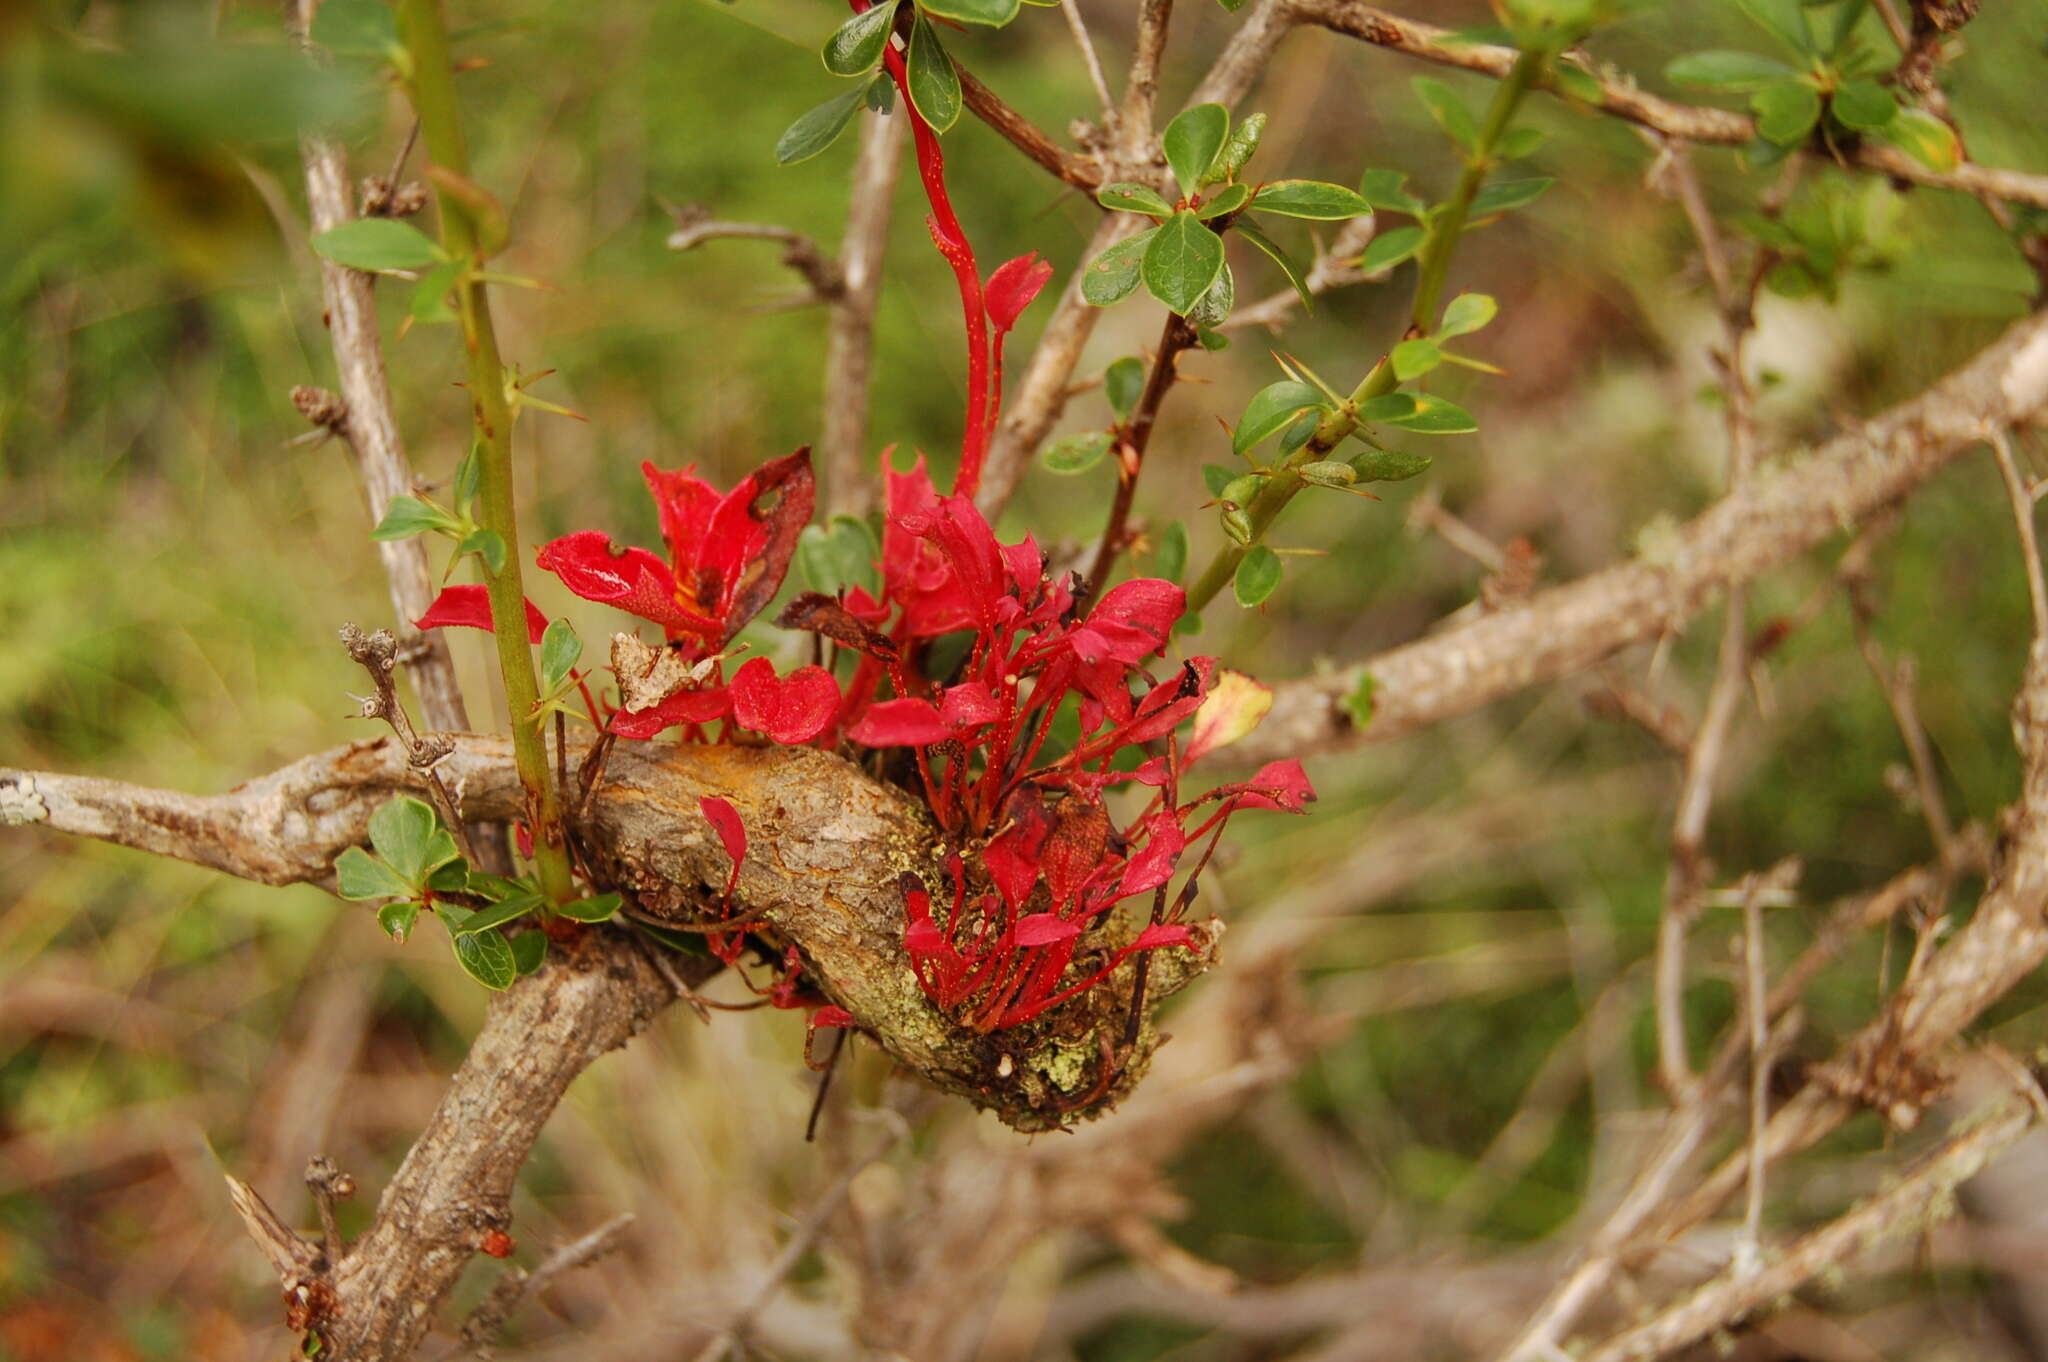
{"points": [[982, 401]]}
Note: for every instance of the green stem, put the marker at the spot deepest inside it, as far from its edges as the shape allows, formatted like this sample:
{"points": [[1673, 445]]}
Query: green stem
{"points": [[425, 34], [1433, 267]]}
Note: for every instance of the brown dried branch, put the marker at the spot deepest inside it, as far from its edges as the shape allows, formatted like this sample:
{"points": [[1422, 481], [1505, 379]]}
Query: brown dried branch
{"points": [[1784, 511], [850, 341], [1924, 1195], [1620, 96], [827, 847], [519, 1285], [366, 421], [695, 226], [1082, 172]]}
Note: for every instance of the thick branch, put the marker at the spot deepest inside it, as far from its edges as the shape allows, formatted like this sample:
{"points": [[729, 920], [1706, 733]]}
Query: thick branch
{"points": [[827, 847], [1620, 96], [1785, 510]]}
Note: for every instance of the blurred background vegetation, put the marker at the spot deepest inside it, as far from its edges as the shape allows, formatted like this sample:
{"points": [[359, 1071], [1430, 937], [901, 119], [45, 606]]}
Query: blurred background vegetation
{"points": [[174, 562]]}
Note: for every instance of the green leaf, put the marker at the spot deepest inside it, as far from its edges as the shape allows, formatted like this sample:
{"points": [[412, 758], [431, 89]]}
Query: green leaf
{"points": [[1925, 138], [488, 545], [1414, 358], [1170, 559], [1389, 465], [1328, 473], [356, 28], [839, 553], [599, 908], [818, 129], [993, 13], [1238, 148], [1299, 434], [378, 245], [1286, 262], [1361, 702], [559, 650], [1213, 306], [452, 878], [1182, 261], [1111, 276], [1577, 83], [1237, 525], [469, 476], [429, 305], [1216, 477], [529, 951], [1122, 383], [1517, 143], [857, 44], [1506, 195], [408, 516], [1228, 199], [408, 835], [1435, 416], [1785, 20], [1382, 189], [1310, 199], [1240, 490], [499, 913], [1258, 572], [934, 84], [880, 94], [1271, 409], [487, 958], [1736, 71], [1863, 105], [359, 875], [1076, 453], [397, 918], [1785, 112], [1134, 198], [1466, 313], [1448, 110], [1386, 407], [1389, 249], [1211, 340], [1192, 142]]}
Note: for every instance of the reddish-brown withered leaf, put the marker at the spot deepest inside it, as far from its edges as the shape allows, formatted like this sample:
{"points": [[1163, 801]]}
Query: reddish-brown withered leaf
{"points": [[753, 535]]}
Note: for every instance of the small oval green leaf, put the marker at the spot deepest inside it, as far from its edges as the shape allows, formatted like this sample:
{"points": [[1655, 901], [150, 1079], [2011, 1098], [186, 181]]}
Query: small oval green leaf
{"points": [[1389, 249], [857, 44], [1271, 410], [487, 958], [1111, 276], [1192, 141], [1076, 453], [1315, 199], [934, 83], [379, 246], [1134, 198], [1182, 261], [1122, 382], [817, 129], [1258, 572]]}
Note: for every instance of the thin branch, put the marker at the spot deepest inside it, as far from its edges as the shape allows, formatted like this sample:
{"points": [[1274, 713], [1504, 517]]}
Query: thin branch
{"points": [[695, 226], [366, 421], [2023, 520], [519, 1286], [793, 1250], [1141, 86], [850, 342], [1132, 438], [1756, 1008], [1923, 1196], [1566, 629], [1621, 96], [1081, 172], [1079, 28]]}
